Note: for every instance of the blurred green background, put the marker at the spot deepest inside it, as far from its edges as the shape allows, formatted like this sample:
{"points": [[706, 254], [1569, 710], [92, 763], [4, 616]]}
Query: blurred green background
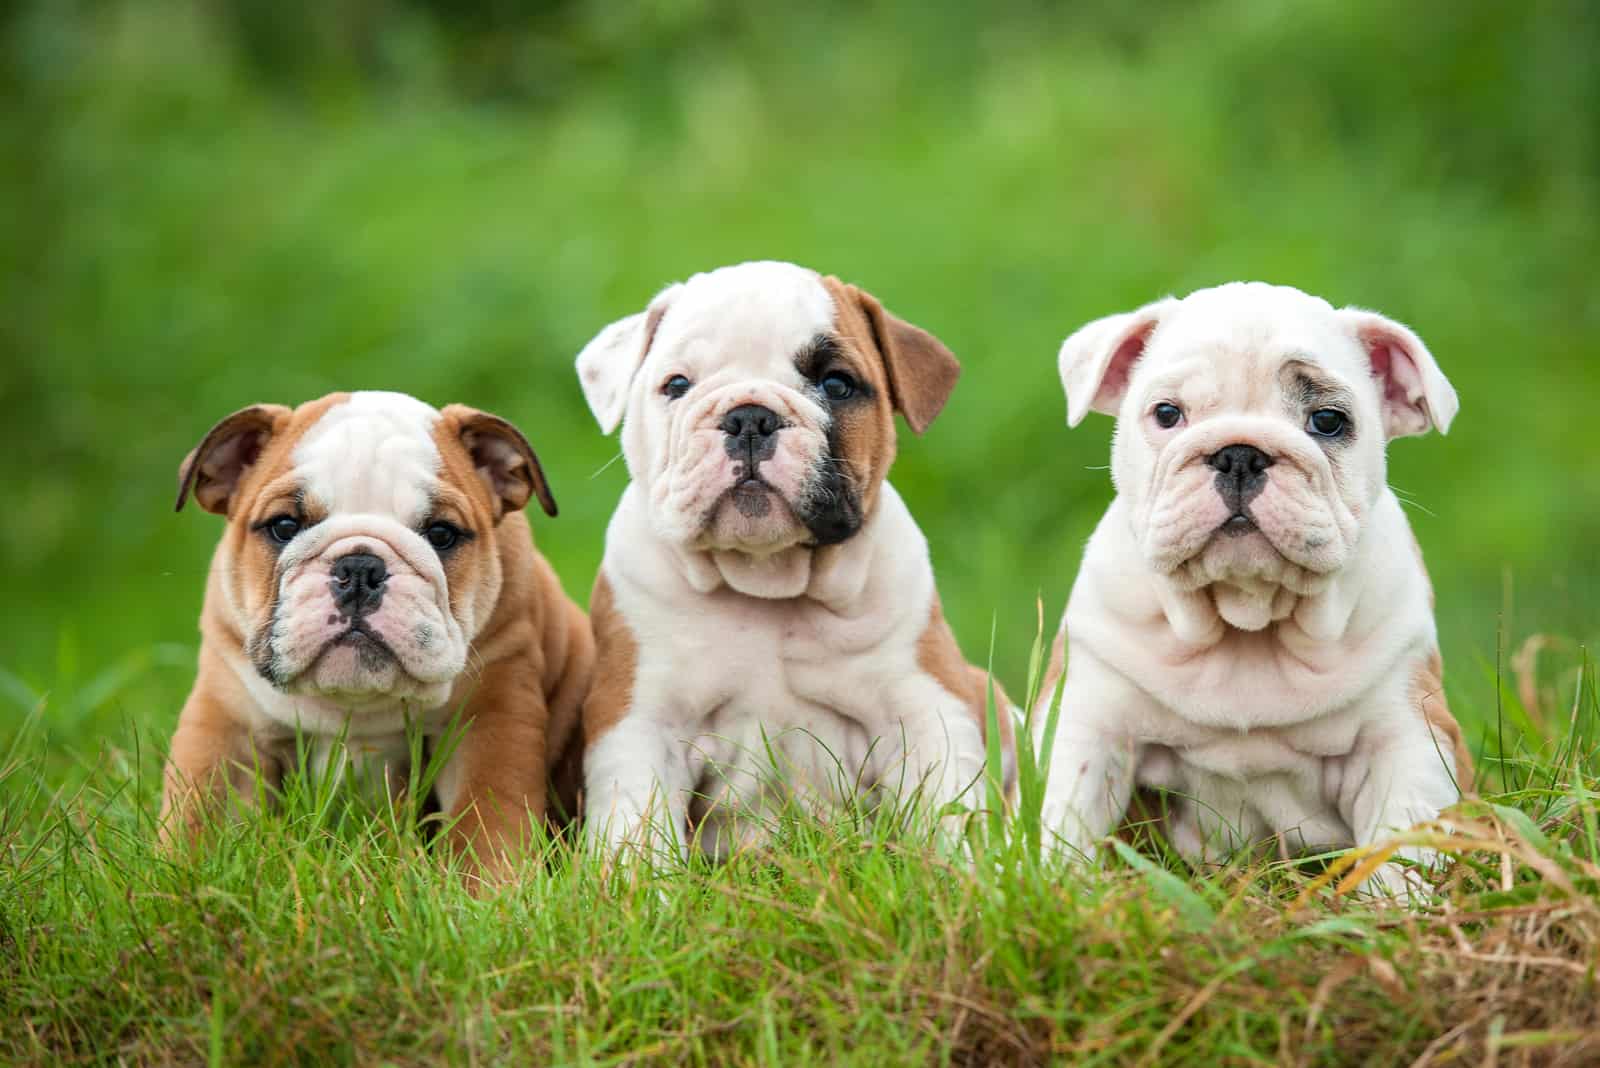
{"points": [[208, 204]]}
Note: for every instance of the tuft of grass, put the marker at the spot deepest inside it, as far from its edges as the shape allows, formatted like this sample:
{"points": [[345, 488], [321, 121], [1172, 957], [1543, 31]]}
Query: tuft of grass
{"points": [[322, 930]]}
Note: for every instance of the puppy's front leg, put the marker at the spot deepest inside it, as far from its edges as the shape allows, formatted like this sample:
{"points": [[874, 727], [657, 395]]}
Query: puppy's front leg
{"points": [[212, 766], [942, 746], [1091, 770], [492, 788], [637, 777], [1397, 778]]}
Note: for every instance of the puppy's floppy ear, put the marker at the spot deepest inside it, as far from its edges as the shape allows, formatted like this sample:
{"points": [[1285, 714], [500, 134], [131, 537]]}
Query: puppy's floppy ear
{"points": [[214, 468], [1416, 396], [503, 459], [607, 364], [922, 372], [1097, 360]]}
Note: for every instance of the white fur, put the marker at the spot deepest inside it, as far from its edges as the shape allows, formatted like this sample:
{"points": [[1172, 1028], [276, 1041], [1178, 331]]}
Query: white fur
{"points": [[374, 454], [749, 639], [828, 680], [1268, 677]]}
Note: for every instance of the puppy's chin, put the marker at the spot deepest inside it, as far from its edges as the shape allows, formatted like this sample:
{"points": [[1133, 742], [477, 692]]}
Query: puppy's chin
{"points": [[351, 680], [1252, 583], [1196, 539], [355, 666], [752, 517], [359, 669]]}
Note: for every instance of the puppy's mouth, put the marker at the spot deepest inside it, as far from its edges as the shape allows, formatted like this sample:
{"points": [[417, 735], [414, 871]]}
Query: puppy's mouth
{"points": [[367, 643], [1237, 524], [751, 495], [750, 515]]}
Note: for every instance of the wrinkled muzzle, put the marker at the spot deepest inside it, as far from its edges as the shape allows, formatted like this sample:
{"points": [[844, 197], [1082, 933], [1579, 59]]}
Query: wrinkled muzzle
{"points": [[362, 610], [1244, 499], [738, 468]]}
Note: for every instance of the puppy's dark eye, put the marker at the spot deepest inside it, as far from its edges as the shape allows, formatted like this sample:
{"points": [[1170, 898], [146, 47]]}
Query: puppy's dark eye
{"points": [[281, 529], [442, 536], [1167, 415], [1326, 423], [836, 385], [676, 386]]}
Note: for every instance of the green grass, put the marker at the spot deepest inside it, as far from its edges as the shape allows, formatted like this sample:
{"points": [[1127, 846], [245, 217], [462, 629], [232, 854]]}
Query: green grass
{"points": [[322, 931], [208, 205]]}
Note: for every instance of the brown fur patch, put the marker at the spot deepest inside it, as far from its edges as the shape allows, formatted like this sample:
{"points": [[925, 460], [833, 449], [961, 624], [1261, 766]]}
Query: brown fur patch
{"points": [[864, 435], [1416, 550], [212, 469], [1428, 693], [473, 565], [940, 656], [500, 455], [616, 662], [282, 429], [921, 372], [243, 566]]}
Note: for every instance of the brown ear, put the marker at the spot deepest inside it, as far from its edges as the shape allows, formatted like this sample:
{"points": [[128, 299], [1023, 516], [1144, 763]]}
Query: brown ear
{"points": [[504, 459], [214, 468], [922, 372]]}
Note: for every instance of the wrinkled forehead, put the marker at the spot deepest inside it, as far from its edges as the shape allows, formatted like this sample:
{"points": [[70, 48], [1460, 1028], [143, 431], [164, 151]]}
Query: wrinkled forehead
{"points": [[753, 318], [374, 453], [1252, 332]]}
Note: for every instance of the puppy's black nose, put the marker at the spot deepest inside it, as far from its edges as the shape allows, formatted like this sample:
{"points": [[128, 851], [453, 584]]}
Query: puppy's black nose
{"points": [[1240, 461], [751, 421], [1240, 474], [357, 583]]}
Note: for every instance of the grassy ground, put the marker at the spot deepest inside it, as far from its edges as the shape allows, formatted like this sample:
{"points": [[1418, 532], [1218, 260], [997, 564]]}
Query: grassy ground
{"points": [[327, 933], [208, 205]]}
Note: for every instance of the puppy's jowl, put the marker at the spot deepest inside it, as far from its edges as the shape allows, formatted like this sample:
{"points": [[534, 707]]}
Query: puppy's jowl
{"points": [[376, 571], [1252, 627], [766, 618]]}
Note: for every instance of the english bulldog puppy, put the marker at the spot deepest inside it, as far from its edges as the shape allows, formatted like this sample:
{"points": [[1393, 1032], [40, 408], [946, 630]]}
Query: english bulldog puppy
{"points": [[765, 614], [1252, 626], [377, 572]]}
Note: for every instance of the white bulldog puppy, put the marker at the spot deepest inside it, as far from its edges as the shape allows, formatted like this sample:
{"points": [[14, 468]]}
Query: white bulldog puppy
{"points": [[1252, 626], [765, 616]]}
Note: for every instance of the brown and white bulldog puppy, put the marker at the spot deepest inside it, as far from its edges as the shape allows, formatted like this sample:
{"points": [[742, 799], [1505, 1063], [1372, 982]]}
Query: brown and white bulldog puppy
{"points": [[766, 618], [377, 571], [1252, 626]]}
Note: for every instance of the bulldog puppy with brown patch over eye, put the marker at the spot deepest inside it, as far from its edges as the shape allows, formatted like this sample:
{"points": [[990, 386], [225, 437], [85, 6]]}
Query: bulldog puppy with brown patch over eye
{"points": [[1252, 626], [377, 572], [766, 618]]}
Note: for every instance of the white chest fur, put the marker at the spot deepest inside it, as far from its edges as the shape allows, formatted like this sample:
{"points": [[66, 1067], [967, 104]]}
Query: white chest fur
{"points": [[742, 703]]}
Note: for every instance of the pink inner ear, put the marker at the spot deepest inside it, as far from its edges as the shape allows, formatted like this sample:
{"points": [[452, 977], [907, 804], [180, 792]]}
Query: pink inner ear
{"points": [[1382, 361], [1395, 373], [1114, 383]]}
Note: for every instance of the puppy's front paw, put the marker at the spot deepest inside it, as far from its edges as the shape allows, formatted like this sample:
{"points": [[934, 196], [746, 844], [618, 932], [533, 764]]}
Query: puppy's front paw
{"points": [[1066, 837]]}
